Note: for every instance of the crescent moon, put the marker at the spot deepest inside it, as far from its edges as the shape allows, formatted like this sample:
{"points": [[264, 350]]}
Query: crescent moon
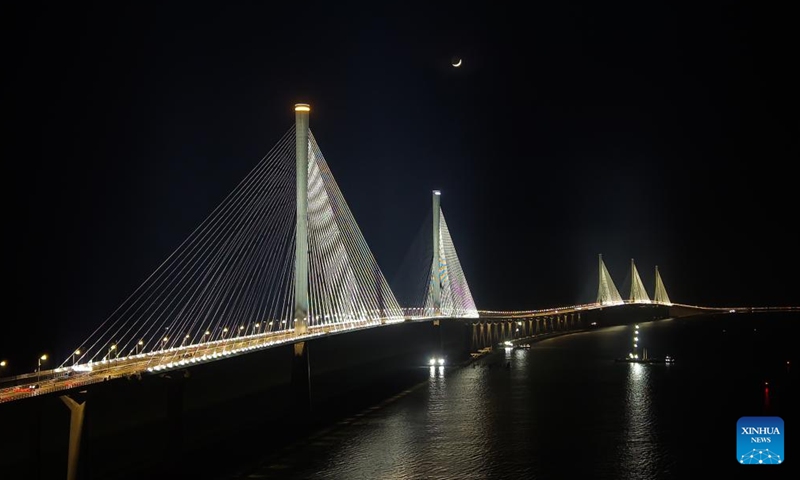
{"points": [[457, 64]]}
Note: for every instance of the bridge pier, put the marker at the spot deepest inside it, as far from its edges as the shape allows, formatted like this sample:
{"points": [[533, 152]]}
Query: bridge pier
{"points": [[175, 390], [175, 393], [301, 379], [35, 426], [437, 328], [480, 335], [76, 415]]}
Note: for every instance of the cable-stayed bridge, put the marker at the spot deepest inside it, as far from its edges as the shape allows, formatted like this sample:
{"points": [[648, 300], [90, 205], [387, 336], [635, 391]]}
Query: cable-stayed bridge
{"points": [[282, 261]]}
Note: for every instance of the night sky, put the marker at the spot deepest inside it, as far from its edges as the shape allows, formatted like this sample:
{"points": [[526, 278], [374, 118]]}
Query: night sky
{"points": [[638, 130]]}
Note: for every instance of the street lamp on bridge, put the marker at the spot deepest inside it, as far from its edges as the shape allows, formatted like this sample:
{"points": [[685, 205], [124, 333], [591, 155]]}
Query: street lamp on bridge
{"points": [[39, 366], [76, 352], [139, 346]]}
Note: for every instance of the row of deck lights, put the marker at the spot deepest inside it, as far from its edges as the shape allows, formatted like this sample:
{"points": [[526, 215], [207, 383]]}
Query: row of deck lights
{"points": [[216, 355], [113, 353], [113, 350], [202, 358], [166, 339]]}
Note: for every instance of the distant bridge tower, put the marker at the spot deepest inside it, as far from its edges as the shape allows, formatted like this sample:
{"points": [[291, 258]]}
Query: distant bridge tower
{"points": [[660, 294], [436, 267], [301, 111], [638, 293], [447, 293], [607, 293]]}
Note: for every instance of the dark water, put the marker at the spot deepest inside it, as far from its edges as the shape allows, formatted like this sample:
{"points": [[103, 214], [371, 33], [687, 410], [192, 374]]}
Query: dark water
{"points": [[565, 409]]}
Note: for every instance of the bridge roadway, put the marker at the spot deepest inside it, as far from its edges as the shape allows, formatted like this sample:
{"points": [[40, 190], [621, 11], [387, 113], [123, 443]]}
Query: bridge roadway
{"points": [[524, 314], [74, 376], [71, 377]]}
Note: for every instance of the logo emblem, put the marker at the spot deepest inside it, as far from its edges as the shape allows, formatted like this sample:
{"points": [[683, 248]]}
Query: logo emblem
{"points": [[759, 441]]}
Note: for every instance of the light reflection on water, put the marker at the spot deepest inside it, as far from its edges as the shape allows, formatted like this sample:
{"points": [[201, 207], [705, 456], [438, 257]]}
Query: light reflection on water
{"points": [[639, 444], [563, 409]]}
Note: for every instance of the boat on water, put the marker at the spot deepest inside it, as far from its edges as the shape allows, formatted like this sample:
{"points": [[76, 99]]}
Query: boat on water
{"points": [[634, 357], [631, 358], [510, 346]]}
